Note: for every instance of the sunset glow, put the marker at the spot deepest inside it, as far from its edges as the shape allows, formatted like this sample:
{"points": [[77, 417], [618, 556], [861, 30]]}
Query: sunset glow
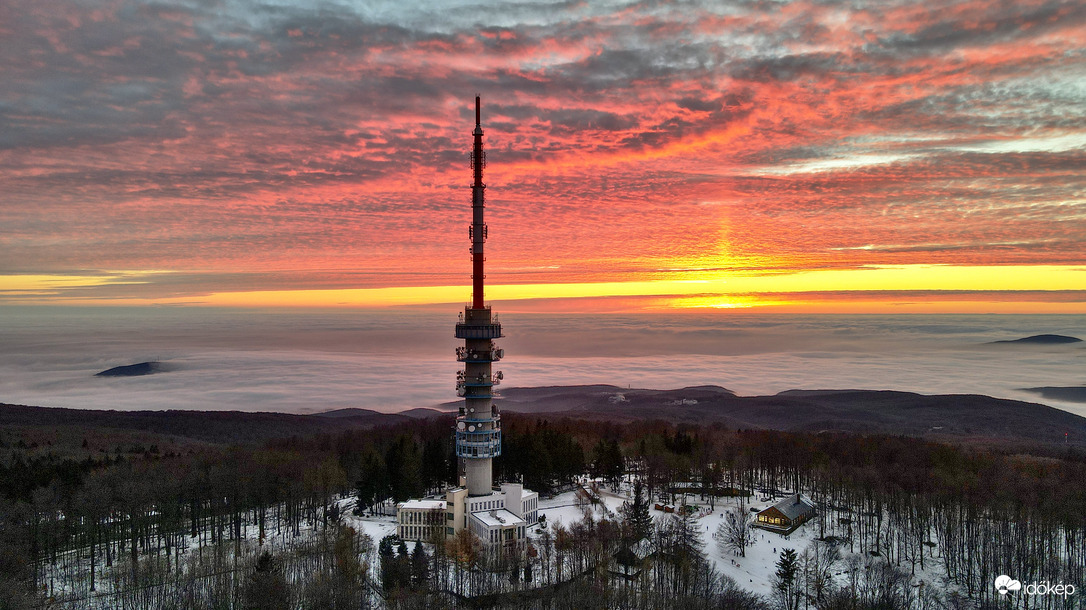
{"points": [[821, 157], [919, 288]]}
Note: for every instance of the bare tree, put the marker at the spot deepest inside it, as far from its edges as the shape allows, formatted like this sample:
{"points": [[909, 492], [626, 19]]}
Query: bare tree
{"points": [[819, 560], [735, 531]]}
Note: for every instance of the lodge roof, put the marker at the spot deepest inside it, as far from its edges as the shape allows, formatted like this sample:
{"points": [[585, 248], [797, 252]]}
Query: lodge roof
{"points": [[793, 507]]}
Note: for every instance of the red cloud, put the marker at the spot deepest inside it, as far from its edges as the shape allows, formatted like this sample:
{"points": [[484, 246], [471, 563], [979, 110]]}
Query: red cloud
{"points": [[621, 144]]}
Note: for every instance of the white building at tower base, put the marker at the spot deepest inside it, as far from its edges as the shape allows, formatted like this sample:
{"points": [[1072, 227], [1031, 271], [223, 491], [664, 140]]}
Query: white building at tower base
{"points": [[500, 519]]}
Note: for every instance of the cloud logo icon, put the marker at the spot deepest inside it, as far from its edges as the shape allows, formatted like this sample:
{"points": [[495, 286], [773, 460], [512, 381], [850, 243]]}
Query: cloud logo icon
{"points": [[1005, 584]]}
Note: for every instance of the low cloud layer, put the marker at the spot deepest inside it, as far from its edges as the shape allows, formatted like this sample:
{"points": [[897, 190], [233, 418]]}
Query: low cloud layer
{"points": [[293, 362]]}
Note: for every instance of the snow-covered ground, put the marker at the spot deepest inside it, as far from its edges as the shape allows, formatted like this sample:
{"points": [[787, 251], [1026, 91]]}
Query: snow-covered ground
{"points": [[375, 527], [755, 571]]}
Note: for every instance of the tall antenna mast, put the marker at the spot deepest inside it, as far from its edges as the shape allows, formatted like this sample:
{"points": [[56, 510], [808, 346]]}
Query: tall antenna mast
{"points": [[478, 424], [478, 227]]}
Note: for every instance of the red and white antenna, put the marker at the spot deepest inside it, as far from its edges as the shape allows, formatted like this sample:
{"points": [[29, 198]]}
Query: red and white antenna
{"points": [[478, 202]]}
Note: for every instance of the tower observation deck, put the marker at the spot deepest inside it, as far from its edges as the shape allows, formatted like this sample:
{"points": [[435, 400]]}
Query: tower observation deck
{"points": [[478, 424]]}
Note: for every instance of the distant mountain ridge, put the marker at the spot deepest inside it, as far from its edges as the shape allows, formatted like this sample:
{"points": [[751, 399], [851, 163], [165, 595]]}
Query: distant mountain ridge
{"points": [[964, 417], [133, 370], [1041, 340], [1069, 393], [351, 412], [219, 427]]}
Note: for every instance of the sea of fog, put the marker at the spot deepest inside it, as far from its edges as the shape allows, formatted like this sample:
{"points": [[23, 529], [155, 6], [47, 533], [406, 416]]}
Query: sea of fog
{"points": [[310, 361]]}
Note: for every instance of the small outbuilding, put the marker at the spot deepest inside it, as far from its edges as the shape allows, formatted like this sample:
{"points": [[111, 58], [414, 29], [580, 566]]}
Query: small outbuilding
{"points": [[632, 559], [785, 516]]}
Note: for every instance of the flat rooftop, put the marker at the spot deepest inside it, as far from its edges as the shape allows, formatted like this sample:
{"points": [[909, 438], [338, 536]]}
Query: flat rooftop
{"points": [[498, 518], [424, 504]]}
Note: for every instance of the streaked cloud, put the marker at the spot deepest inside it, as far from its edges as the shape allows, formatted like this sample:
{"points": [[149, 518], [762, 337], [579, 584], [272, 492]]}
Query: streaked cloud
{"points": [[278, 147]]}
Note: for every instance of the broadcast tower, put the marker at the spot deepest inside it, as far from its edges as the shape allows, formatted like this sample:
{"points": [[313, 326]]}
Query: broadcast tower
{"points": [[478, 425], [498, 518]]}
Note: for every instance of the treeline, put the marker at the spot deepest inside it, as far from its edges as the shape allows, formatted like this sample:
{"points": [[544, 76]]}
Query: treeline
{"points": [[71, 520], [897, 502], [542, 456], [979, 512]]}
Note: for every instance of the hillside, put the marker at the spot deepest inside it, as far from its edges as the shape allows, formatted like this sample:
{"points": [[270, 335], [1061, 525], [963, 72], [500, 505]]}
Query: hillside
{"points": [[965, 416], [1041, 340], [178, 428], [133, 370], [1068, 393], [958, 417]]}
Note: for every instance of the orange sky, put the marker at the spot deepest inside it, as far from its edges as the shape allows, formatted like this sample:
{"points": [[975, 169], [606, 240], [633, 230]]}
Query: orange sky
{"points": [[817, 157]]}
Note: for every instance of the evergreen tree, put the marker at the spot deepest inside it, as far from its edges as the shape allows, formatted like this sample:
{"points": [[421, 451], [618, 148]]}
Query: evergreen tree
{"points": [[372, 485], [607, 462], [420, 568], [535, 461], [785, 582], [436, 464], [636, 515], [404, 463], [395, 563], [266, 588]]}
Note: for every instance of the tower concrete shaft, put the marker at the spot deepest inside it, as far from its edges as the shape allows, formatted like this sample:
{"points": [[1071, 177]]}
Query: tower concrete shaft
{"points": [[478, 425]]}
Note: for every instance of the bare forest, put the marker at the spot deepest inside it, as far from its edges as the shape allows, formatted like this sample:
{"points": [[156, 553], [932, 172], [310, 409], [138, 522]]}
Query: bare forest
{"points": [[91, 524]]}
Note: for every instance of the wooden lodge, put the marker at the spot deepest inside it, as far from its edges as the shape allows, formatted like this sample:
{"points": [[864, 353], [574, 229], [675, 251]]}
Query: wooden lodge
{"points": [[786, 515]]}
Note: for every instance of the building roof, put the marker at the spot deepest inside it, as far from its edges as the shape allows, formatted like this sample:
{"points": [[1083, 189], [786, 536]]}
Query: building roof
{"points": [[424, 504], [498, 518], [636, 552], [794, 506], [493, 495]]}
